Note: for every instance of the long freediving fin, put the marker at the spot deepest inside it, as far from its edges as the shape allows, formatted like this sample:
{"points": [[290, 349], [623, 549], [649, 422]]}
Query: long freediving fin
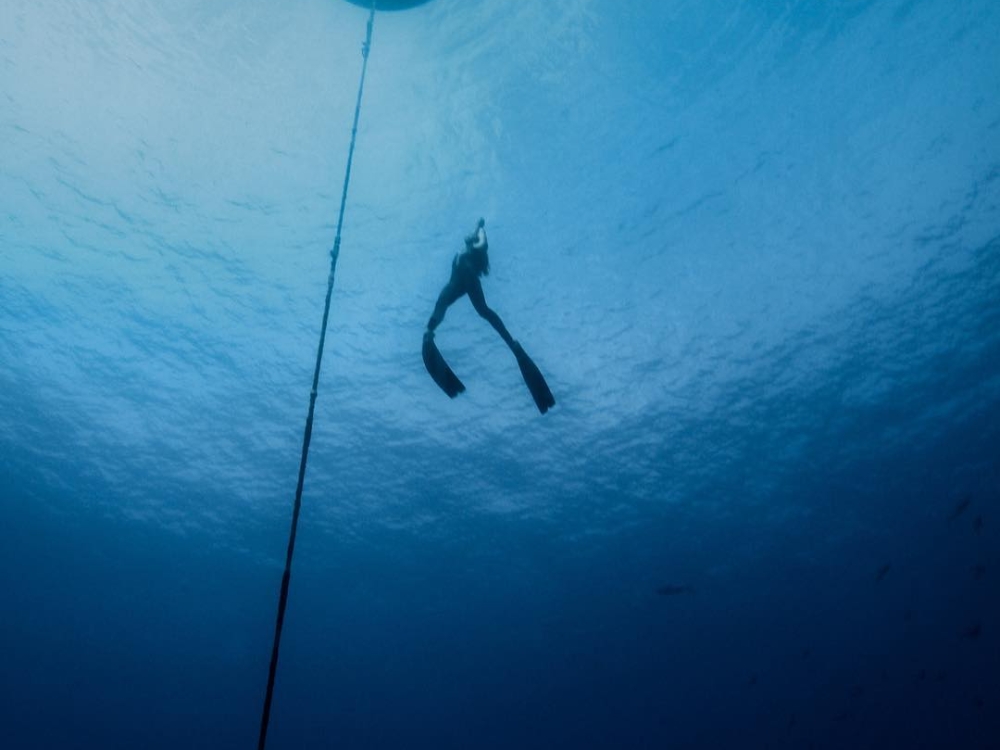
{"points": [[438, 369], [544, 399]]}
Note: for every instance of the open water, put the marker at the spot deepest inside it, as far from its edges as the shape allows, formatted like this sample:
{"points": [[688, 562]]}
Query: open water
{"points": [[754, 247]]}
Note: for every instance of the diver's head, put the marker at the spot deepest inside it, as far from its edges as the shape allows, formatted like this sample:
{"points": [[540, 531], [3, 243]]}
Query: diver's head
{"points": [[476, 247]]}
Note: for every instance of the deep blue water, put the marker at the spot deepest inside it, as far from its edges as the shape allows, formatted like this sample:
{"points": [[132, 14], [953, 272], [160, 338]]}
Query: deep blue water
{"points": [[754, 247]]}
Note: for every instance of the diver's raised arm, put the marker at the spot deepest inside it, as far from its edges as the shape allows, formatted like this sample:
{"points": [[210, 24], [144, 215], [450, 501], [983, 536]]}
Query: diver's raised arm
{"points": [[479, 235]]}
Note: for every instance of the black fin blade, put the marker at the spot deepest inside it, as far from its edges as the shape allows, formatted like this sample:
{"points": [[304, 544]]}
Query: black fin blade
{"points": [[544, 399], [438, 369]]}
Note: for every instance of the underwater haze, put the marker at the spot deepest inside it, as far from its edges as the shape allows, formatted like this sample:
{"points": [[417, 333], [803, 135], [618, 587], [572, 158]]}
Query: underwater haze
{"points": [[754, 248]]}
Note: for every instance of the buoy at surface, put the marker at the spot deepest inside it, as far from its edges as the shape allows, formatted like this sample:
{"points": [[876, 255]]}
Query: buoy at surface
{"points": [[389, 4]]}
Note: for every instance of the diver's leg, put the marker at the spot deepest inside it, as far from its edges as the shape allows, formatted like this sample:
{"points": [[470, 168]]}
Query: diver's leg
{"points": [[436, 365], [529, 371], [448, 295], [479, 302], [498, 325]]}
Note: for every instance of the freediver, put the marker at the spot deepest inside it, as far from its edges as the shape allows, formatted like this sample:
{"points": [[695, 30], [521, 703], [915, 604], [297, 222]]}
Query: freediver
{"points": [[467, 268]]}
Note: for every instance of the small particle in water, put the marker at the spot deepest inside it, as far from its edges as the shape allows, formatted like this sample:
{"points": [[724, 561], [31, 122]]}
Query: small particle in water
{"points": [[979, 571], [973, 632], [977, 524], [960, 507], [882, 572]]}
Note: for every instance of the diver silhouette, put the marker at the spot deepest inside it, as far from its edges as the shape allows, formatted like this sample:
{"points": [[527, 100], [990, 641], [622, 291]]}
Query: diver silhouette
{"points": [[466, 270]]}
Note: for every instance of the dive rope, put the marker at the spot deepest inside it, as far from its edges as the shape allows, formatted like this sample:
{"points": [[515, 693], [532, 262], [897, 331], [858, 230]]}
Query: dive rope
{"points": [[307, 436]]}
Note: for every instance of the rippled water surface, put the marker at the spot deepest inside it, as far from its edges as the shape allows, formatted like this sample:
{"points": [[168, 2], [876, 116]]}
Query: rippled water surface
{"points": [[755, 248]]}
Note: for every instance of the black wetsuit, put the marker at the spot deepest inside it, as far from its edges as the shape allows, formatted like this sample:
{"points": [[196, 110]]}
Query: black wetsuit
{"points": [[466, 269]]}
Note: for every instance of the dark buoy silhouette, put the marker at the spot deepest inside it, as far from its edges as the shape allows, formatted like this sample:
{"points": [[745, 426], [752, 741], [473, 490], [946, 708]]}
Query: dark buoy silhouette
{"points": [[389, 4]]}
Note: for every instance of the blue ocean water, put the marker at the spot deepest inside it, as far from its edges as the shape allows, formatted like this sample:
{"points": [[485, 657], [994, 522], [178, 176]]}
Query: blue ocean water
{"points": [[755, 248]]}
